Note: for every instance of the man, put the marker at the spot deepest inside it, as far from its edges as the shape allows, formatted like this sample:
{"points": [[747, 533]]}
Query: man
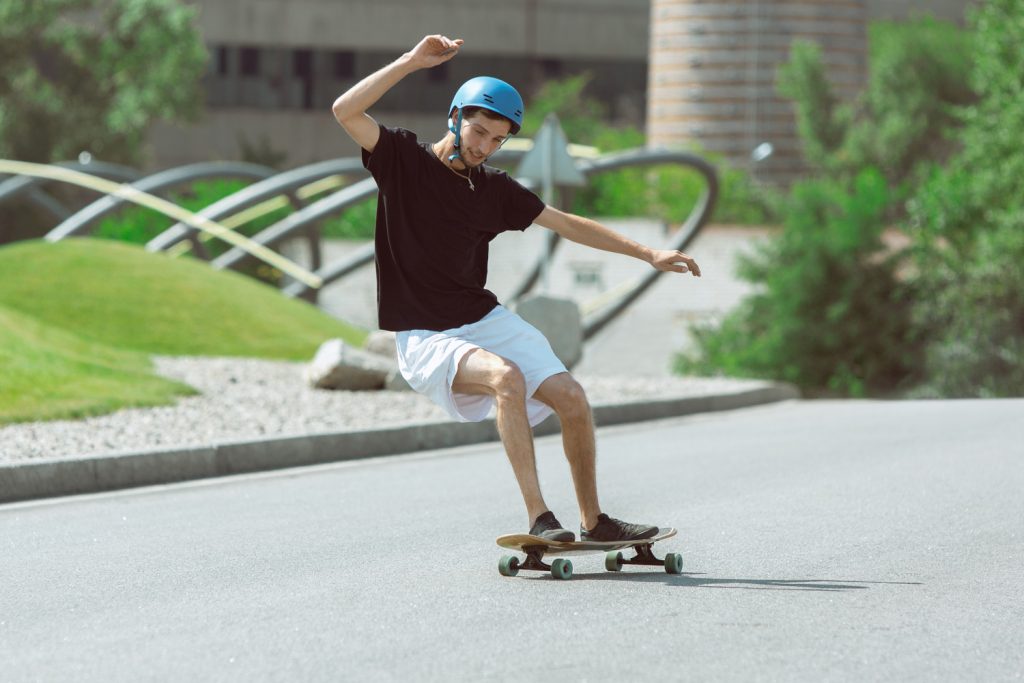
{"points": [[439, 207]]}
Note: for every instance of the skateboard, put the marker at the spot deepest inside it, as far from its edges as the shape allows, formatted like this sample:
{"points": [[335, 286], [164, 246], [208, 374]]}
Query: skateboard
{"points": [[536, 548]]}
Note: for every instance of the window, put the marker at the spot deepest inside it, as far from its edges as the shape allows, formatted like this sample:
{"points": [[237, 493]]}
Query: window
{"points": [[302, 63], [250, 58], [439, 74], [344, 64], [551, 68]]}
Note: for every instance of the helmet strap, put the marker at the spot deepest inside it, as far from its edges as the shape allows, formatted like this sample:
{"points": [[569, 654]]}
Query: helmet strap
{"points": [[458, 140]]}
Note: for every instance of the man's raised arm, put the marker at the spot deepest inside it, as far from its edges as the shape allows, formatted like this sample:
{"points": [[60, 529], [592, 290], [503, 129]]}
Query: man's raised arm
{"points": [[350, 108]]}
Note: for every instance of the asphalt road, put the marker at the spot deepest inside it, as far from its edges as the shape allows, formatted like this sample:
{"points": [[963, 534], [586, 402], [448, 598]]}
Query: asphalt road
{"points": [[821, 540]]}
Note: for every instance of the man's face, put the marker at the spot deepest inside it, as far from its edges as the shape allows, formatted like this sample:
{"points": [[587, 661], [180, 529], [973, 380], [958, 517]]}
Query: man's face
{"points": [[481, 137]]}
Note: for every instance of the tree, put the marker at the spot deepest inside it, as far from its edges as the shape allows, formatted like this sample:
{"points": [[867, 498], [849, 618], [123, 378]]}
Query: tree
{"points": [[918, 76], [92, 75], [833, 312], [968, 226]]}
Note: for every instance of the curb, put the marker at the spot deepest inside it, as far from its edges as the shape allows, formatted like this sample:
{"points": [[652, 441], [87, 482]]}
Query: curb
{"points": [[61, 477]]}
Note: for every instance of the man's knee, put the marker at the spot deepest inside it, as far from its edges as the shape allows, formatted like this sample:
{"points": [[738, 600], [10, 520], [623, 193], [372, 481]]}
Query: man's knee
{"points": [[509, 381], [570, 400]]}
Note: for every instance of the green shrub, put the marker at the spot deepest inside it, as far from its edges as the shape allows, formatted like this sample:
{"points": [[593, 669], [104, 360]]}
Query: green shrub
{"points": [[830, 314], [918, 76], [967, 222], [665, 192], [356, 223], [138, 225]]}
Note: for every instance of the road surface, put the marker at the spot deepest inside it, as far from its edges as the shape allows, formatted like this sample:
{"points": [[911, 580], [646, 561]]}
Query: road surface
{"points": [[844, 540]]}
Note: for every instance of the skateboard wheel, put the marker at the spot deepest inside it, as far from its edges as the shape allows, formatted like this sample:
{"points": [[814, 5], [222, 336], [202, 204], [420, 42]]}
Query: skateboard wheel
{"points": [[561, 569], [613, 561], [508, 565], [674, 563]]}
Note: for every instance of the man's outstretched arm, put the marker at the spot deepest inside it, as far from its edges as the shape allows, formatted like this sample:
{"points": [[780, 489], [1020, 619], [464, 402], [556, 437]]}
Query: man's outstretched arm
{"points": [[350, 108], [592, 234]]}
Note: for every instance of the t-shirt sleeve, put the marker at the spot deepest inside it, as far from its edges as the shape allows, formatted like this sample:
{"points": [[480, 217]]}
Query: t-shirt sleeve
{"points": [[385, 162], [520, 206]]}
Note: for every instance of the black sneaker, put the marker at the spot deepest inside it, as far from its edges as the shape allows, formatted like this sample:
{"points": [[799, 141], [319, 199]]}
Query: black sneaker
{"points": [[610, 529], [548, 527]]}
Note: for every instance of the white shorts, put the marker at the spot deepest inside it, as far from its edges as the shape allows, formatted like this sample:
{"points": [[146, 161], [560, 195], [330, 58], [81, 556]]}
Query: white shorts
{"points": [[429, 359]]}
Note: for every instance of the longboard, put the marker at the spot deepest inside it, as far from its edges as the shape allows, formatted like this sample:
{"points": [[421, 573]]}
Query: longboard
{"points": [[536, 547]]}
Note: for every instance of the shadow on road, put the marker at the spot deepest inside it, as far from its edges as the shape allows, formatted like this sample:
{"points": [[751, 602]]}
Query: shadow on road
{"points": [[688, 580]]}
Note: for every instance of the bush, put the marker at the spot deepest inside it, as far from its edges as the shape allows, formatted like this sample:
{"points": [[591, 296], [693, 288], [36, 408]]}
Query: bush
{"points": [[918, 76], [830, 314], [666, 192], [968, 227], [356, 223], [975, 316]]}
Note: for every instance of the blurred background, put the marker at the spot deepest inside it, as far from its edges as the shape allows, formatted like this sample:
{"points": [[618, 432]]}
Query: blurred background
{"points": [[865, 240]]}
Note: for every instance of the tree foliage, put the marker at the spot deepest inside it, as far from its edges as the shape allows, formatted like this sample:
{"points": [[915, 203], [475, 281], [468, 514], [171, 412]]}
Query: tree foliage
{"points": [[835, 310], [918, 77], [830, 314], [968, 226], [92, 75], [941, 119], [666, 192]]}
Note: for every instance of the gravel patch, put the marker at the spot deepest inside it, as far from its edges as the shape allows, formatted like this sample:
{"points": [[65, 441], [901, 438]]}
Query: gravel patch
{"points": [[247, 399]]}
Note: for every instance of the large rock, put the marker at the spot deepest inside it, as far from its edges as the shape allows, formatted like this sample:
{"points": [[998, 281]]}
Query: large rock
{"points": [[382, 343], [560, 321], [395, 381], [340, 366]]}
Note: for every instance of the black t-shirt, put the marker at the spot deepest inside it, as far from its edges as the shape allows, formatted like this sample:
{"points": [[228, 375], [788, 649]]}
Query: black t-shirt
{"points": [[433, 233]]}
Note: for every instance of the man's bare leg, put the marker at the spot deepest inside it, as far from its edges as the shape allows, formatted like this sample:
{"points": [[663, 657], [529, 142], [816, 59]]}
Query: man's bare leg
{"points": [[566, 397], [482, 372]]}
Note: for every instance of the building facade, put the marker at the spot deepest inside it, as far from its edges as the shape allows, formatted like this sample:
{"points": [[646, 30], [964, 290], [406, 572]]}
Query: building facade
{"points": [[277, 65]]}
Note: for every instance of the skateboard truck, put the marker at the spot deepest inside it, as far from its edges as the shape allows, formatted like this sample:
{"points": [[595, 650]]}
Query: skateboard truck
{"points": [[560, 569], [673, 562]]}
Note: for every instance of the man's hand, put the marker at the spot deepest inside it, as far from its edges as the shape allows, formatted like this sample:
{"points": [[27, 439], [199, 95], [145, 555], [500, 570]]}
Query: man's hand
{"points": [[674, 261], [434, 50]]}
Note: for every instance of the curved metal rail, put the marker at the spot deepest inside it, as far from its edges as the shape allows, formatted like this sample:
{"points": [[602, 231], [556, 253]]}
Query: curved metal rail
{"points": [[14, 187], [285, 183], [196, 222], [698, 217], [276, 185], [592, 323], [336, 203], [81, 222]]}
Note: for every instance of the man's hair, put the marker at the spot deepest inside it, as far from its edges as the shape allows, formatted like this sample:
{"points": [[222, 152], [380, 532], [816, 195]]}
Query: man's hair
{"points": [[467, 112]]}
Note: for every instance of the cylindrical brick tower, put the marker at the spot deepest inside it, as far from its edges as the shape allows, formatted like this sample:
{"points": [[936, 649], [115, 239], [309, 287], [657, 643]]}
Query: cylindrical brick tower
{"points": [[713, 70]]}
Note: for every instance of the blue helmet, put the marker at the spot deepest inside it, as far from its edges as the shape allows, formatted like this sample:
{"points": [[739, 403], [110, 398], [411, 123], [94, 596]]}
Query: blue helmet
{"points": [[488, 93]]}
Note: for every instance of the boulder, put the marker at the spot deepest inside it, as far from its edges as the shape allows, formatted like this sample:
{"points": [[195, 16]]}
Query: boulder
{"points": [[395, 382], [382, 343], [340, 366], [560, 321]]}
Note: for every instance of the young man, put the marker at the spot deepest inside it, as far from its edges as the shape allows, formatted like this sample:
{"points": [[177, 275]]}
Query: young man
{"points": [[439, 207]]}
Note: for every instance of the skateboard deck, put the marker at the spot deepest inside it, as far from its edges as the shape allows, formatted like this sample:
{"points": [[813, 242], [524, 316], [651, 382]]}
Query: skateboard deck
{"points": [[536, 547]]}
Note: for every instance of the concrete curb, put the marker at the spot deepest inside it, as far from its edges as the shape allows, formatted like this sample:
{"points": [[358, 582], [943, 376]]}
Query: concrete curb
{"points": [[60, 477]]}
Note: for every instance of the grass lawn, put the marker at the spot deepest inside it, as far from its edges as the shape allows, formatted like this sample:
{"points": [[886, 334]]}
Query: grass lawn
{"points": [[121, 295], [48, 373], [79, 318]]}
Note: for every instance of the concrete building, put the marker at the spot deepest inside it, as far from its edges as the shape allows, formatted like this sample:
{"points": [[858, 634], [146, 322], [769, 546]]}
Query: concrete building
{"points": [[277, 65]]}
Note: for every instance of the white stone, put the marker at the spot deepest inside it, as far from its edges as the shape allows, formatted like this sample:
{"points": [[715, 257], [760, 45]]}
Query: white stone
{"points": [[382, 343], [340, 366]]}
